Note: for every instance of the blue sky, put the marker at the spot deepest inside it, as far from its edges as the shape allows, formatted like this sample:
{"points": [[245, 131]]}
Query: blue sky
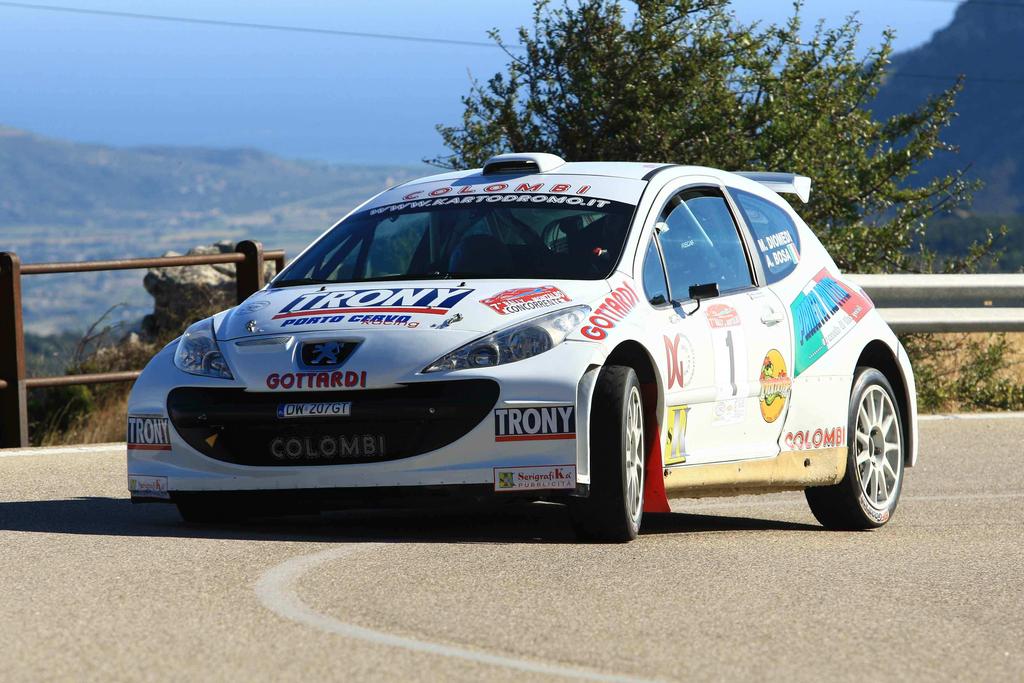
{"points": [[126, 82]]}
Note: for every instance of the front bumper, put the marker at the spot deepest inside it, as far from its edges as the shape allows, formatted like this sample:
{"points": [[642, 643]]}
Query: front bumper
{"points": [[456, 445]]}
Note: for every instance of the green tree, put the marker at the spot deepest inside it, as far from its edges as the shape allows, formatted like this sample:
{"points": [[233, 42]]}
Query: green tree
{"points": [[684, 81]]}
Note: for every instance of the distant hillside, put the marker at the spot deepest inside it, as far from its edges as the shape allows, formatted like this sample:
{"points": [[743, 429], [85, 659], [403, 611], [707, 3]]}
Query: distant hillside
{"points": [[64, 201], [58, 182], [985, 42]]}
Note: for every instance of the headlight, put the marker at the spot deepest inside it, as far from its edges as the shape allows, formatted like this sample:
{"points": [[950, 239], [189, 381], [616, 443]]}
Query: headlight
{"points": [[524, 340], [198, 353]]}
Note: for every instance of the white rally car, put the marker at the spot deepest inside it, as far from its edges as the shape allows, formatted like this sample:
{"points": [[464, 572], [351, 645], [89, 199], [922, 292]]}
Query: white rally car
{"points": [[606, 335]]}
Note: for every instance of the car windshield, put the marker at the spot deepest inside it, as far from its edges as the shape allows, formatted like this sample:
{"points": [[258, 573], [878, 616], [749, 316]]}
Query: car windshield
{"points": [[572, 238]]}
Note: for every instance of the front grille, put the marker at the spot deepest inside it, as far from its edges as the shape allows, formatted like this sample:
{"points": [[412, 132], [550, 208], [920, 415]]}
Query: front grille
{"points": [[236, 426]]}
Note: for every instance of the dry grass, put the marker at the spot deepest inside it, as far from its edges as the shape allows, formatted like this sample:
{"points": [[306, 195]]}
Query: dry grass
{"points": [[961, 342], [104, 424]]}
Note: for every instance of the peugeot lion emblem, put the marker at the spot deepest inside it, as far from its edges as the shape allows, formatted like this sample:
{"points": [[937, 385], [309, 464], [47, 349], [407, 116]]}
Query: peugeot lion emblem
{"points": [[251, 326], [325, 354]]}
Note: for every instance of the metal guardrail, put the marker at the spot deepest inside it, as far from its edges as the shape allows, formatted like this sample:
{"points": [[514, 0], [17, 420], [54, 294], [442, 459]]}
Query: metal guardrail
{"points": [[248, 255], [947, 303], [909, 303]]}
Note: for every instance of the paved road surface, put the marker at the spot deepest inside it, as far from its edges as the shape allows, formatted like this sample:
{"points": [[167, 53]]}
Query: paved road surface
{"points": [[92, 587]]}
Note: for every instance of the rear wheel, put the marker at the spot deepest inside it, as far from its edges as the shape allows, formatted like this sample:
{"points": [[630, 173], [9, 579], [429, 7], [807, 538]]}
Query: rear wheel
{"points": [[614, 508], [867, 496]]}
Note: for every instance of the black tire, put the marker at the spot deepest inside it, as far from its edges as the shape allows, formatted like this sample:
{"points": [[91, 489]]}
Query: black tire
{"points": [[608, 514], [847, 505]]}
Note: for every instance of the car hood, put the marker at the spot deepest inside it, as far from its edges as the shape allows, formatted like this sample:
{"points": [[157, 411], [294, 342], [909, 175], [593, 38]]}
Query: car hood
{"points": [[377, 334], [475, 306]]}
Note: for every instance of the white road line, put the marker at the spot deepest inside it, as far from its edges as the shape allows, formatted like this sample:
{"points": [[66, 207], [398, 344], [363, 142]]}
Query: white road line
{"points": [[276, 590], [61, 450]]}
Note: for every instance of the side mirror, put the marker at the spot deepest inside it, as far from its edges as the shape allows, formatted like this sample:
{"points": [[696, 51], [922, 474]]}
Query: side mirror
{"points": [[706, 291]]}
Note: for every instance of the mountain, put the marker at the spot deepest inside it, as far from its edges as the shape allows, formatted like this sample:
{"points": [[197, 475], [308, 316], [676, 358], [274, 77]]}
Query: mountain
{"points": [[66, 201], [985, 43], [59, 182]]}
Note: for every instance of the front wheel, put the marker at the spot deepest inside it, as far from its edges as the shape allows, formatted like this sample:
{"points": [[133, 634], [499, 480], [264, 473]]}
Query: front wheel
{"points": [[867, 496], [614, 508]]}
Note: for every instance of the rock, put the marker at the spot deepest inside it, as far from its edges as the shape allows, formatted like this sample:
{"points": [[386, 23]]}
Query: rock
{"points": [[184, 294]]}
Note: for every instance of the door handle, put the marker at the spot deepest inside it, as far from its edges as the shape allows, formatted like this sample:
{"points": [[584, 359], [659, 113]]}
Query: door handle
{"points": [[770, 316]]}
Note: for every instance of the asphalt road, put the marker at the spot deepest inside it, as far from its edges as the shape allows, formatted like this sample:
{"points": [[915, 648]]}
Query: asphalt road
{"points": [[744, 588]]}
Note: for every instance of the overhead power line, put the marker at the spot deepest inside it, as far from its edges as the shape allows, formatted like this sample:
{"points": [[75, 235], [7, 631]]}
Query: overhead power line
{"points": [[249, 25], [436, 41]]}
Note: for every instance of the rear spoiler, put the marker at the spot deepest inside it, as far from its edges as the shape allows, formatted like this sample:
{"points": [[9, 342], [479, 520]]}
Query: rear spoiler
{"points": [[783, 183]]}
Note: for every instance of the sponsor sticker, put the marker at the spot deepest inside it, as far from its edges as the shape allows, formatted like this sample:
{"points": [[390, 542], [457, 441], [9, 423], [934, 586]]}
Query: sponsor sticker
{"points": [[494, 198], [525, 299], [730, 411], [337, 379], [823, 313], [149, 433], [722, 315], [680, 359], [880, 516], [254, 306], [612, 310], [551, 187], [675, 440], [381, 320], [327, 409], [535, 424], [534, 477], [148, 487], [326, 306], [807, 440], [775, 385], [328, 447]]}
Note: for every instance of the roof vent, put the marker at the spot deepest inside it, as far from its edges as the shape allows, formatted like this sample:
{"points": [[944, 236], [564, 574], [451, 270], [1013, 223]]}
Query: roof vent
{"points": [[527, 162], [783, 183]]}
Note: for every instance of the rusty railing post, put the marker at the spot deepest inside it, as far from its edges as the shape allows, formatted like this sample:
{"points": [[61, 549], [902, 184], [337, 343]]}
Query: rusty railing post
{"points": [[13, 410], [249, 273]]}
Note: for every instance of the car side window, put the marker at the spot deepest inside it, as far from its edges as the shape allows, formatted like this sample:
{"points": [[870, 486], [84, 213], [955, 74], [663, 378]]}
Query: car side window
{"points": [[775, 233], [655, 285], [701, 244]]}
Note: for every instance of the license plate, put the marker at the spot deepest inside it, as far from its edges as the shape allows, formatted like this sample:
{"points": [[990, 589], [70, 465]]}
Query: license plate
{"points": [[325, 409]]}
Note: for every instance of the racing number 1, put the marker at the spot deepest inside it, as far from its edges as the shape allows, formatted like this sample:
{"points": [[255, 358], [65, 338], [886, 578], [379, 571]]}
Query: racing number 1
{"points": [[732, 361]]}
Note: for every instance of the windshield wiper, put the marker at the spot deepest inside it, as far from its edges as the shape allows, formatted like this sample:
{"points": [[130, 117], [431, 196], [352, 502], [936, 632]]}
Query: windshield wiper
{"points": [[301, 281], [436, 275], [464, 274]]}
